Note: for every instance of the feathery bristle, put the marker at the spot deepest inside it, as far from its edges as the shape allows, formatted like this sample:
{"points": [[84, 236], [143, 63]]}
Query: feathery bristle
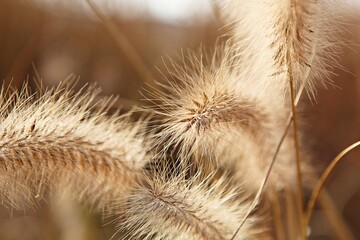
{"points": [[211, 114], [56, 141], [285, 37], [204, 113], [192, 169], [195, 208]]}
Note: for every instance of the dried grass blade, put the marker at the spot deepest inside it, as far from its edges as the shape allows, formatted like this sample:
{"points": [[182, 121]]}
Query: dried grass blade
{"points": [[320, 184]]}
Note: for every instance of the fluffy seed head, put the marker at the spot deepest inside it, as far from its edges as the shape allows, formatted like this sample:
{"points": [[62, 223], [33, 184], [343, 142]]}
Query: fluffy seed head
{"points": [[283, 39], [195, 208], [204, 112], [59, 140]]}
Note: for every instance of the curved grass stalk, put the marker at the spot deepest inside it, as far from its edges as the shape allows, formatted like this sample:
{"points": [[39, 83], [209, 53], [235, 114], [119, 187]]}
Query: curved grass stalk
{"points": [[320, 184]]}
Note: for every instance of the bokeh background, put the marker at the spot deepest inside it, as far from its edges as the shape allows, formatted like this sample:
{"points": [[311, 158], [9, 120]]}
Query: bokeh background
{"points": [[50, 39]]}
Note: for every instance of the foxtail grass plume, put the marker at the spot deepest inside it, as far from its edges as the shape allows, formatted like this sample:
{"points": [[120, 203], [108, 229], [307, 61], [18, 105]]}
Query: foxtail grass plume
{"points": [[220, 111], [209, 112], [201, 112], [189, 208], [283, 39], [59, 140]]}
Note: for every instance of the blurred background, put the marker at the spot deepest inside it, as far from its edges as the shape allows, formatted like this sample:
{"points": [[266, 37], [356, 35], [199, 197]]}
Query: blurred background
{"points": [[50, 39]]}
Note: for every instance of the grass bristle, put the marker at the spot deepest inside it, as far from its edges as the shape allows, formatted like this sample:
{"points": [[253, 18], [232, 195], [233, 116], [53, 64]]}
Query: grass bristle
{"points": [[189, 208], [60, 140]]}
